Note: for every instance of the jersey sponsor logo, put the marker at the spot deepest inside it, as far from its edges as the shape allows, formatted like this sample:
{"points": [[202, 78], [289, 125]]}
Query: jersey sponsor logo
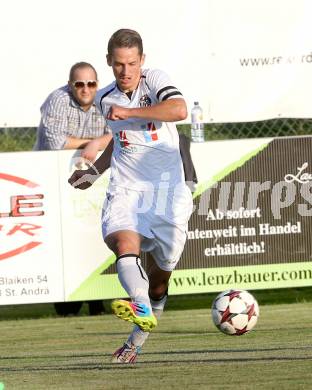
{"points": [[122, 139], [150, 134]]}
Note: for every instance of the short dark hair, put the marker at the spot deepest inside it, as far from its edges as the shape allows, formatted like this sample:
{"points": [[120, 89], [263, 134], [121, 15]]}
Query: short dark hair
{"points": [[80, 65], [125, 38]]}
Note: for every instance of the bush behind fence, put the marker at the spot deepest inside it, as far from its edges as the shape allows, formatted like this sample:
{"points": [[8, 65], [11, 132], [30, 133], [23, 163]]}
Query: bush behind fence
{"points": [[23, 138]]}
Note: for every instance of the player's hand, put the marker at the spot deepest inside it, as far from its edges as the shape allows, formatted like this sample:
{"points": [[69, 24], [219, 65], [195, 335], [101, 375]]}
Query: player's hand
{"points": [[117, 113], [83, 178], [90, 151]]}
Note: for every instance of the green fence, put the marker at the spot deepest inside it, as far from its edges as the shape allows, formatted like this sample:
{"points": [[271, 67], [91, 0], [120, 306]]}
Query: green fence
{"points": [[23, 138]]}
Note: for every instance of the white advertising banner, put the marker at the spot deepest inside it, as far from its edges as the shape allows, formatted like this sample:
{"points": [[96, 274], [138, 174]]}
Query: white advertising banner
{"points": [[83, 245], [260, 60], [31, 263], [51, 245], [243, 60]]}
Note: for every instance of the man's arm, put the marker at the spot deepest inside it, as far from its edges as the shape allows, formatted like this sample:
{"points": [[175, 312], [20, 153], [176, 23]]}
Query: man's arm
{"points": [[76, 143], [103, 162], [92, 148], [171, 110], [83, 179], [79, 143]]}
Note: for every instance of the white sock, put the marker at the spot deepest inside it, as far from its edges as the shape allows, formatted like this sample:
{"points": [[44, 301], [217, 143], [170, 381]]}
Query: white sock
{"points": [[133, 278], [138, 336], [159, 305]]}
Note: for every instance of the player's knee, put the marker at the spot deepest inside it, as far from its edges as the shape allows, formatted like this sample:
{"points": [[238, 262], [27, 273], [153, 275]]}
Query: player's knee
{"points": [[120, 246], [122, 242], [157, 292]]}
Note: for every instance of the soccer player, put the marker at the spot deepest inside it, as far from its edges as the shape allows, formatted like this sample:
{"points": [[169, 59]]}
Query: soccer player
{"points": [[148, 204]]}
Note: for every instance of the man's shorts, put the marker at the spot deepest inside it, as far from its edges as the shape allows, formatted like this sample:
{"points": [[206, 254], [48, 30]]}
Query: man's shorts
{"points": [[160, 217]]}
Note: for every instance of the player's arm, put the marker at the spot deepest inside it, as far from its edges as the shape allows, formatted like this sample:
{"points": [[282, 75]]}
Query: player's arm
{"points": [[100, 143], [76, 143], [83, 179], [171, 110], [92, 148], [169, 104]]}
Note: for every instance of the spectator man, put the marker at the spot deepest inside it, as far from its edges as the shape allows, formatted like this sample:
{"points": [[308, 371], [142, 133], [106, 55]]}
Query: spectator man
{"points": [[71, 120]]}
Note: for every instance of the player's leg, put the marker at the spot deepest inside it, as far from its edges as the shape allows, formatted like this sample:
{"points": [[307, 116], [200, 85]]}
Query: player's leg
{"points": [[129, 351], [168, 243], [123, 241], [126, 246], [158, 286], [122, 233], [135, 281], [158, 293]]}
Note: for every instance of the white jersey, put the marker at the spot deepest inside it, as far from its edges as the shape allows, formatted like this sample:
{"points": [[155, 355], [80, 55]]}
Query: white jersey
{"points": [[146, 153]]}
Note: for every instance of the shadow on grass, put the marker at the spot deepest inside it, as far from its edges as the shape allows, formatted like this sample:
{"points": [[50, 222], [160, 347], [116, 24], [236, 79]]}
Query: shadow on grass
{"points": [[51, 357], [114, 366]]}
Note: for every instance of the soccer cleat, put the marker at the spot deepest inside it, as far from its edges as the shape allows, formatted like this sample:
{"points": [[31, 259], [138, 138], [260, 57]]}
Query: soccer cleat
{"points": [[138, 313], [126, 354]]}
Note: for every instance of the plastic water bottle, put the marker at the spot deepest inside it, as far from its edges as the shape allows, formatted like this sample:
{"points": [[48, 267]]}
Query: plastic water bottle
{"points": [[197, 129]]}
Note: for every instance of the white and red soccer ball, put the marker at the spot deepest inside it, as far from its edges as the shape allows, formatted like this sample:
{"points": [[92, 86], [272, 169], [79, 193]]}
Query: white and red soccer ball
{"points": [[235, 312]]}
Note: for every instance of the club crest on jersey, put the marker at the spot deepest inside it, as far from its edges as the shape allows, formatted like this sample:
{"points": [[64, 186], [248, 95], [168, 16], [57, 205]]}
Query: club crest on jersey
{"points": [[145, 101]]}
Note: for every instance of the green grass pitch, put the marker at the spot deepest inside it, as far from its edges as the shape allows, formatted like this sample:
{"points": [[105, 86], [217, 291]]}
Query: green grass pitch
{"points": [[185, 351]]}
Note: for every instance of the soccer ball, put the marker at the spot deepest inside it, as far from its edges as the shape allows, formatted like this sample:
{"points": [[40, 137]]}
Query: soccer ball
{"points": [[235, 312]]}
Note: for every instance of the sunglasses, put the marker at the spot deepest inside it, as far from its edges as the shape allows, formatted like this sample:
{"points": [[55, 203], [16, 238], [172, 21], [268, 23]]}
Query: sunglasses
{"points": [[78, 84]]}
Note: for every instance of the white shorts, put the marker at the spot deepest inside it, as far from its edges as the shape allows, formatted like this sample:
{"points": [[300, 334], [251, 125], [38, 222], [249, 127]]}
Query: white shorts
{"points": [[161, 218]]}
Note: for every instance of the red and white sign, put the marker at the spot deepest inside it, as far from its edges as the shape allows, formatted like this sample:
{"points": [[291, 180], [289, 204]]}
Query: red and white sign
{"points": [[30, 242]]}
